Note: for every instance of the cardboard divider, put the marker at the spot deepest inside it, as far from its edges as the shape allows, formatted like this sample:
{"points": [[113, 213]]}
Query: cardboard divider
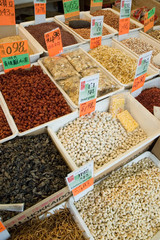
{"points": [[16, 30], [146, 120], [107, 73], [35, 42], [61, 20], [152, 71], [45, 204]]}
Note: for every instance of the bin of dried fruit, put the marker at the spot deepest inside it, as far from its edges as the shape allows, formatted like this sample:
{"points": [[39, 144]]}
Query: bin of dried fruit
{"points": [[32, 169], [58, 223], [125, 205], [111, 18], [103, 138], [30, 28], [32, 98], [69, 68]]}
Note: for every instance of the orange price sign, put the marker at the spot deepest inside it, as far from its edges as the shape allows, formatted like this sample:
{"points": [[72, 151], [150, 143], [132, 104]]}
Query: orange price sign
{"points": [[2, 227], [54, 42], [149, 19], [139, 82], [87, 107], [81, 181], [124, 25], [95, 42], [7, 12], [15, 55], [40, 8]]}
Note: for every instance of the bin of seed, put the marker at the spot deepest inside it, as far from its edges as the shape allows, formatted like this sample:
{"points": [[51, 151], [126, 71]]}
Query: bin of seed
{"points": [[149, 98], [67, 38], [58, 226], [13, 39], [139, 46], [31, 170], [5, 130], [155, 34], [125, 205], [100, 137], [82, 27], [122, 66], [32, 98], [111, 19], [68, 69]]}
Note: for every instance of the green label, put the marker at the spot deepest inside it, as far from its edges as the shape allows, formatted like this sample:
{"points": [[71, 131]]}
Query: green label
{"points": [[71, 6], [125, 9], [96, 26], [96, 1], [15, 61], [151, 12], [39, 1], [81, 178], [143, 64]]}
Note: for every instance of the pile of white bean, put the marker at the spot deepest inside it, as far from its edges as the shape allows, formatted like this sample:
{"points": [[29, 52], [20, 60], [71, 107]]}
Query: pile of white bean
{"points": [[97, 137], [126, 205]]}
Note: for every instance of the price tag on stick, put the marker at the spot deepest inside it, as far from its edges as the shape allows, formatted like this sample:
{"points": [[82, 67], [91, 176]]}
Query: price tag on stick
{"points": [[149, 19], [71, 9], [7, 12], [124, 21], [96, 31], [15, 55], [88, 94], [54, 42], [4, 234], [96, 5], [40, 11], [141, 71], [80, 182]]}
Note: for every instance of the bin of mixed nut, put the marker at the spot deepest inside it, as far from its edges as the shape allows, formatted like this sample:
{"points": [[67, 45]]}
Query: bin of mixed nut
{"points": [[124, 205], [68, 39], [108, 136], [81, 27], [67, 70]]}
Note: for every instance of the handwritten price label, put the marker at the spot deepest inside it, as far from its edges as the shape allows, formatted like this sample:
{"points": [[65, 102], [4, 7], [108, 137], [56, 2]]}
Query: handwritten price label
{"points": [[141, 71], [3, 232], [80, 182], [96, 5], [87, 107], [15, 55], [2, 227], [40, 11], [54, 42], [7, 12], [40, 8], [71, 8], [124, 21], [149, 19], [95, 42], [96, 31]]}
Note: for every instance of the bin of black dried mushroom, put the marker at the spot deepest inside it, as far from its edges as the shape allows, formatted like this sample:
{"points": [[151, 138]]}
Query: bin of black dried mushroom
{"points": [[67, 38], [5, 130], [32, 98], [31, 170]]}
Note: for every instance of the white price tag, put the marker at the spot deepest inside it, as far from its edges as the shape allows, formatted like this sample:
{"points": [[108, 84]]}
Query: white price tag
{"points": [[96, 26], [80, 182], [125, 10], [4, 234]]}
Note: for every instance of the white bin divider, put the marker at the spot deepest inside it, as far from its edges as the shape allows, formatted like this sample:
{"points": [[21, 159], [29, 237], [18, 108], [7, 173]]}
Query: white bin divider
{"points": [[107, 73], [152, 71], [144, 38], [10, 120], [83, 15], [45, 204], [139, 25], [35, 42], [47, 123], [19, 31], [149, 123], [136, 160]]}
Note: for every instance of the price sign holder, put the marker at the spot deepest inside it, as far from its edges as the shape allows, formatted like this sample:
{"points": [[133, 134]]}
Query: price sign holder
{"points": [[149, 20], [71, 9], [54, 42], [96, 31], [96, 5], [124, 21], [15, 55], [40, 11], [141, 71], [7, 12], [4, 234], [80, 182], [88, 94]]}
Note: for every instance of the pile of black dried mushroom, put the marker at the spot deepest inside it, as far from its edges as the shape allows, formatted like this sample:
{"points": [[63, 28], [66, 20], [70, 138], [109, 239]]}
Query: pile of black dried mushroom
{"points": [[31, 170]]}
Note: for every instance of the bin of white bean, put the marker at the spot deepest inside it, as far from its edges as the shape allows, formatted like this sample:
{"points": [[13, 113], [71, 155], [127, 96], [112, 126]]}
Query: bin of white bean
{"points": [[102, 138], [125, 204]]}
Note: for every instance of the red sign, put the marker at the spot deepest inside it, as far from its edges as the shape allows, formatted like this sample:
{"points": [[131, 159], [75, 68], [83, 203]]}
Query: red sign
{"points": [[87, 107], [7, 12], [95, 42]]}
